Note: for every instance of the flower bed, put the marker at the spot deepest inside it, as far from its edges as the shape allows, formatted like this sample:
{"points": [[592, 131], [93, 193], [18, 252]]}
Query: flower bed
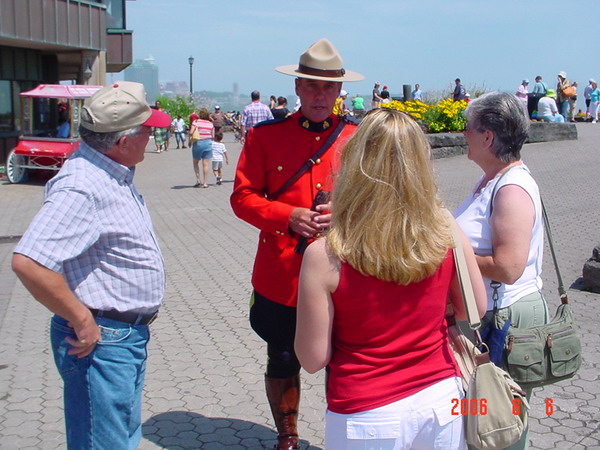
{"points": [[446, 116]]}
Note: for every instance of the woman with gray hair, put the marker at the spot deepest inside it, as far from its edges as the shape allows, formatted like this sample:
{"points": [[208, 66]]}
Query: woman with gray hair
{"points": [[503, 215]]}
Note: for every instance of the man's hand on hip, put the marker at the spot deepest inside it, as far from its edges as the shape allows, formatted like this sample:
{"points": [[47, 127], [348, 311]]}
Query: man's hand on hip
{"points": [[88, 335]]}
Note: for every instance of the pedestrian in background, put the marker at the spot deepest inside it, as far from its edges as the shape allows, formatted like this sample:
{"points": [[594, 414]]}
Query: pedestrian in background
{"points": [[178, 126], [202, 132], [573, 102], [91, 257], [219, 153], [254, 112], [280, 111], [459, 92], [358, 106], [586, 94], [562, 99], [218, 119], [417, 94]]}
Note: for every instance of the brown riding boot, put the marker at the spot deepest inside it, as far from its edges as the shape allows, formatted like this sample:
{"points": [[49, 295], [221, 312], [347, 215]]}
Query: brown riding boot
{"points": [[284, 398]]}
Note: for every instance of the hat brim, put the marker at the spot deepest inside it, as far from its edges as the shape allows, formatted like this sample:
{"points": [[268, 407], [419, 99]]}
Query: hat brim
{"points": [[292, 70], [157, 119]]}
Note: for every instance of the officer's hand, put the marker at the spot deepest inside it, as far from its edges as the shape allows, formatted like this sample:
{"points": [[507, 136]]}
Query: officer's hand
{"points": [[324, 218], [88, 335], [302, 222]]}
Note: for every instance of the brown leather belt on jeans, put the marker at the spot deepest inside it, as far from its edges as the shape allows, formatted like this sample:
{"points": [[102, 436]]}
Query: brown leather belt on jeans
{"points": [[126, 316]]}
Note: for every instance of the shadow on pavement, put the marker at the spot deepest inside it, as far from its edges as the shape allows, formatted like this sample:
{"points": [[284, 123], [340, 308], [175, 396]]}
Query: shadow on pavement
{"points": [[183, 429]]}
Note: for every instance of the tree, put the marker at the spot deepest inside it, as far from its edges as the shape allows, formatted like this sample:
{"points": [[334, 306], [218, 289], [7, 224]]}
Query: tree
{"points": [[180, 105]]}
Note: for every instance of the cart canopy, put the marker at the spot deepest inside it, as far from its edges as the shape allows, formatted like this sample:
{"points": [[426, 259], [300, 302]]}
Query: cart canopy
{"points": [[61, 91]]}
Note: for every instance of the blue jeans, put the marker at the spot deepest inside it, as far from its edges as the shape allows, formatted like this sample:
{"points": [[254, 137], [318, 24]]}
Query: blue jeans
{"points": [[180, 138], [557, 118], [103, 391], [563, 109]]}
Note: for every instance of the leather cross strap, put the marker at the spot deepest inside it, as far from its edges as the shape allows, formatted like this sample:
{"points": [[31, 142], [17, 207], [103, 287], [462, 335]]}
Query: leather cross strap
{"points": [[311, 161]]}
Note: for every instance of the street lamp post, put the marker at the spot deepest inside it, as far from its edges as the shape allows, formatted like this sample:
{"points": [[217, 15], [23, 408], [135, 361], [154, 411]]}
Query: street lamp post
{"points": [[191, 61]]}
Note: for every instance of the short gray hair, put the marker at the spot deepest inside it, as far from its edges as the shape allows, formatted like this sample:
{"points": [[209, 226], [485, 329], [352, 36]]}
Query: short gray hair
{"points": [[502, 114], [103, 142]]}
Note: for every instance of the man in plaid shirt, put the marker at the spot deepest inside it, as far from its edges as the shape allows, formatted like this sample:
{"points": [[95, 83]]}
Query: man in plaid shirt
{"points": [[253, 113]]}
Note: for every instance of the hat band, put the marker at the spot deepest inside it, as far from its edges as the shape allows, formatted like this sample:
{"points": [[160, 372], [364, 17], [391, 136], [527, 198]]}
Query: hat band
{"points": [[336, 73]]}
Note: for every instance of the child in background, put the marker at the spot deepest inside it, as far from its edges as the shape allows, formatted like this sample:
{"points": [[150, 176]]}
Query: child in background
{"points": [[218, 153]]}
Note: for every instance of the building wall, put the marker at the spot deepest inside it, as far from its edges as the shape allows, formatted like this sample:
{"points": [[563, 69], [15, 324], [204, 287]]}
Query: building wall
{"points": [[48, 41]]}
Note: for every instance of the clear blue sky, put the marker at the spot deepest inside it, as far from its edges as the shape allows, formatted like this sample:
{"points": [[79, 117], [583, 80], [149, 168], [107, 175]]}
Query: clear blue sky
{"points": [[431, 42]]}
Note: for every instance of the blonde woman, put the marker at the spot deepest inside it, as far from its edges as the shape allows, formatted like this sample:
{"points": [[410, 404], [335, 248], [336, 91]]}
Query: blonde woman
{"points": [[373, 293]]}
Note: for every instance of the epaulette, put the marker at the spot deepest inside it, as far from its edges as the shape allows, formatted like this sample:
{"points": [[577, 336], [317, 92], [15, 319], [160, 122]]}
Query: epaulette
{"points": [[269, 122], [351, 120]]}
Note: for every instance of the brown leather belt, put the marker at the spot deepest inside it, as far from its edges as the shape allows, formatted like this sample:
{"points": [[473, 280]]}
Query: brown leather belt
{"points": [[126, 316]]}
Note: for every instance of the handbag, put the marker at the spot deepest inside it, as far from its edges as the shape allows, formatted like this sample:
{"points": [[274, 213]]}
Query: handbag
{"points": [[497, 405], [569, 92], [195, 137], [549, 353]]}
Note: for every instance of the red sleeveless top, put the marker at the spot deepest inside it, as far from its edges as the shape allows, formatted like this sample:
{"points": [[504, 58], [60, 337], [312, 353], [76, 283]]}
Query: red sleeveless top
{"points": [[389, 341]]}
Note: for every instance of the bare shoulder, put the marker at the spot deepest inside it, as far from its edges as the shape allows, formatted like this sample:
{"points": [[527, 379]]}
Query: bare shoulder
{"points": [[321, 262]]}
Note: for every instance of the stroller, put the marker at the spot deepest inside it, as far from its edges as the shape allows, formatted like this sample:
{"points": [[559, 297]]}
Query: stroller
{"points": [[233, 120]]}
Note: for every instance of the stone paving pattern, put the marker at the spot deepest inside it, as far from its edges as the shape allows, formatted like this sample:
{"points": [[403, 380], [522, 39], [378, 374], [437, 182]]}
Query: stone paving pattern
{"points": [[204, 381]]}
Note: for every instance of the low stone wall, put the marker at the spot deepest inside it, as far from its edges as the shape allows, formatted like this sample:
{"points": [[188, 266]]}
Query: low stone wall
{"points": [[444, 145]]}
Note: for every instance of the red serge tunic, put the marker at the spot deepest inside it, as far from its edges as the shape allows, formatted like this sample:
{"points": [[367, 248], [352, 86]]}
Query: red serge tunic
{"points": [[273, 152], [389, 341]]}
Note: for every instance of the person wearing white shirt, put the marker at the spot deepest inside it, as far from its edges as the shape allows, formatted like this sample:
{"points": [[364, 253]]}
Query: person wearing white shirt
{"points": [[178, 126]]}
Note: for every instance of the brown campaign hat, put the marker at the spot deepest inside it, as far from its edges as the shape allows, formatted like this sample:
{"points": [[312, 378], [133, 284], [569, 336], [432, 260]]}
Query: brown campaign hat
{"points": [[121, 106], [321, 61]]}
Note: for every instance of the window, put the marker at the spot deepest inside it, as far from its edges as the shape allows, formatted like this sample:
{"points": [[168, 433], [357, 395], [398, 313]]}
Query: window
{"points": [[115, 14], [6, 107]]}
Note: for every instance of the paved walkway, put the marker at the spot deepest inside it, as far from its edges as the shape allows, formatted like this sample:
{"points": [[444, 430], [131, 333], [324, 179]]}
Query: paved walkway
{"points": [[204, 382]]}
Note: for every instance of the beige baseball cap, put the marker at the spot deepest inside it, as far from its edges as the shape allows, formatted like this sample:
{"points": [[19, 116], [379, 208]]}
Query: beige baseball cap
{"points": [[119, 107]]}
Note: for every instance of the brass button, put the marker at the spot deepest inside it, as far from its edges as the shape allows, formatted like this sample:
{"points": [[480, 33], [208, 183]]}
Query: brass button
{"points": [[568, 351], [318, 185], [526, 358], [264, 240], [318, 161], [280, 168], [318, 138]]}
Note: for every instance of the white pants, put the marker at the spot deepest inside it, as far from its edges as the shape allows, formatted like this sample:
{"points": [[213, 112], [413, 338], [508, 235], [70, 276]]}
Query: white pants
{"points": [[594, 110], [422, 421]]}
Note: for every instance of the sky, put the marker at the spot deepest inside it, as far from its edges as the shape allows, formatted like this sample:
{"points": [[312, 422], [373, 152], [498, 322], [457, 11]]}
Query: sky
{"points": [[489, 44]]}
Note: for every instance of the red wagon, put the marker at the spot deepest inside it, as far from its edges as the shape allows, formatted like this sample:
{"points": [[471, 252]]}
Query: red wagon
{"points": [[49, 128]]}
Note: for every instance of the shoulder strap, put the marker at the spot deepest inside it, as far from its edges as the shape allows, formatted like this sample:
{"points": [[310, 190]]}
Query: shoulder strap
{"points": [[561, 289], [496, 188], [464, 278], [311, 161]]}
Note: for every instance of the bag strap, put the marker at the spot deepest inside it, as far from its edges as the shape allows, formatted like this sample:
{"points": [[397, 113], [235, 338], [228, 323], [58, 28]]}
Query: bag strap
{"points": [[464, 278], [311, 161], [561, 288]]}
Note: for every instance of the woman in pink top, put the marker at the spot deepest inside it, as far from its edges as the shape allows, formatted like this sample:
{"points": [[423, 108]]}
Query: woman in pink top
{"points": [[202, 132], [372, 296]]}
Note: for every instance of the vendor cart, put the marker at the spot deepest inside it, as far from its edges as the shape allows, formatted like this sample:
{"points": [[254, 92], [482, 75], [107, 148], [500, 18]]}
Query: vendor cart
{"points": [[49, 125]]}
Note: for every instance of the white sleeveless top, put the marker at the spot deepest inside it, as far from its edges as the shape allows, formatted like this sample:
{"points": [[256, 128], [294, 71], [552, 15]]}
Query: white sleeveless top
{"points": [[473, 217]]}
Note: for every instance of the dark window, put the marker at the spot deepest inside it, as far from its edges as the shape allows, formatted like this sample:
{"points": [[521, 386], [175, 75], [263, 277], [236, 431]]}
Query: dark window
{"points": [[6, 107], [115, 14]]}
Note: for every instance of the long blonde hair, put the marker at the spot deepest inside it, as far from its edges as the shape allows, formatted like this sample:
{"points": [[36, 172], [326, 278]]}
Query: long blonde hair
{"points": [[387, 218]]}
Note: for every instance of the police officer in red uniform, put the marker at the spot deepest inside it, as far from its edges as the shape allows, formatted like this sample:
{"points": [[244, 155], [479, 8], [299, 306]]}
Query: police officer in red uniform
{"points": [[284, 168]]}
